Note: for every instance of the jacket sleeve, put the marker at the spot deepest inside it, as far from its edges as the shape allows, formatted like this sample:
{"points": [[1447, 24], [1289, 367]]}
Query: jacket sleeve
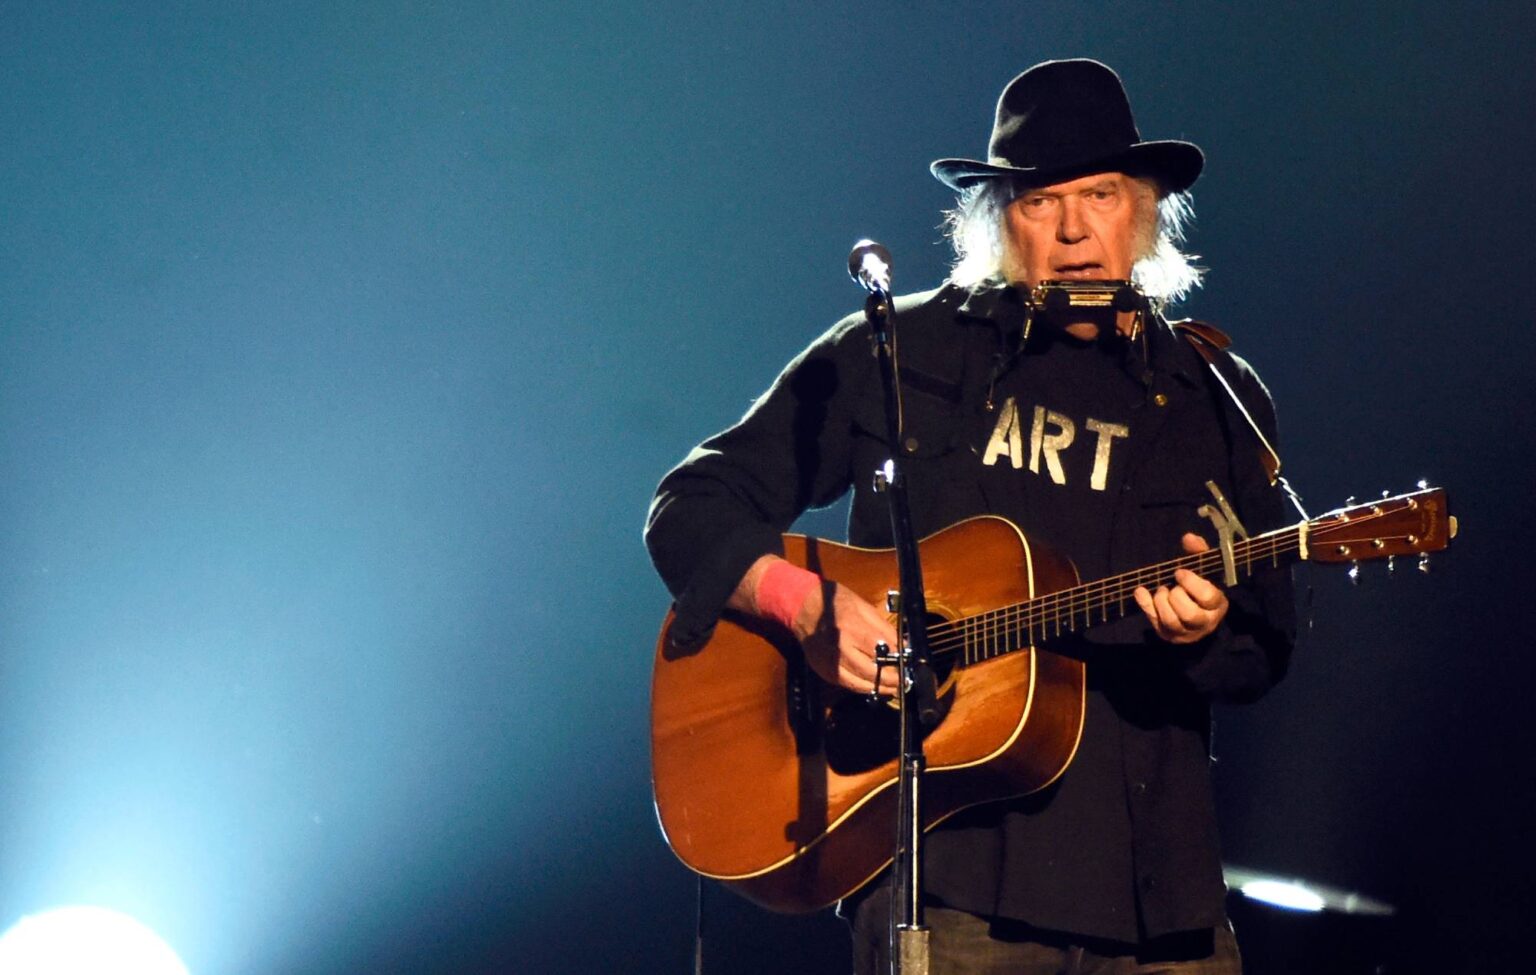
{"points": [[734, 495], [1251, 650]]}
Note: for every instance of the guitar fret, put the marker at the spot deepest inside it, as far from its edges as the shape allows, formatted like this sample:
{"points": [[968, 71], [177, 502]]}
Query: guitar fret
{"points": [[988, 635], [1037, 620], [691, 786]]}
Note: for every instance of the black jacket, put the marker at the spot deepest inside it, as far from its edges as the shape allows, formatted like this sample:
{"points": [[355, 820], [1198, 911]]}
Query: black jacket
{"points": [[1124, 845]]}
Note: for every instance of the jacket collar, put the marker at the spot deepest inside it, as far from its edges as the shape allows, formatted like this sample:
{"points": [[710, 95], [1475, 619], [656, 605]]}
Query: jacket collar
{"points": [[1169, 354], [994, 304]]}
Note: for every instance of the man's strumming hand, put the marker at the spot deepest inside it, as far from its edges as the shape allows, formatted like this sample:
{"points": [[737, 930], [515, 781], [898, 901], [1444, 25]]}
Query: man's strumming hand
{"points": [[838, 639], [840, 644]]}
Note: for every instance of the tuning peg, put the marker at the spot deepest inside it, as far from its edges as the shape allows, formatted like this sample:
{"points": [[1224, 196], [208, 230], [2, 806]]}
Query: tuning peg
{"points": [[1424, 562], [1349, 502], [1391, 563], [1386, 494], [1354, 573], [1423, 484]]}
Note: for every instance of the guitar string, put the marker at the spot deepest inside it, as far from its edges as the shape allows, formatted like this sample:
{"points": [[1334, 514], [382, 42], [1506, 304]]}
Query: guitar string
{"points": [[1063, 607], [1124, 582], [992, 634], [996, 632], [999, 631]]}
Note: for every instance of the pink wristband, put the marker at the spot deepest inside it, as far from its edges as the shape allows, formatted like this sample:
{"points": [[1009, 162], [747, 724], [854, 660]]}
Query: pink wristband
{"points": [[782, 589]]}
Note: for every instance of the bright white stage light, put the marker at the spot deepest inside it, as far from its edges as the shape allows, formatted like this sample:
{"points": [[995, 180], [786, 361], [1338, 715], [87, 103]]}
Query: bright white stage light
{"points": [[1281, 894], [85, 941]]}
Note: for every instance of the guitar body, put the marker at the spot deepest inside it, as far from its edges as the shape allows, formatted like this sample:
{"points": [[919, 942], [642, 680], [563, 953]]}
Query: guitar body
{"points": [[784, 787]]}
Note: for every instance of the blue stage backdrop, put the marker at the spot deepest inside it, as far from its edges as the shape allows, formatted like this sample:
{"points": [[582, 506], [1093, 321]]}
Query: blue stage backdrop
{"points": [[341, 346]]}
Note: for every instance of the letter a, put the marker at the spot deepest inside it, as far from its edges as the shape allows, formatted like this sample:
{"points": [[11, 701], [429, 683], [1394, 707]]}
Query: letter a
{"points": [[1006, 438]]}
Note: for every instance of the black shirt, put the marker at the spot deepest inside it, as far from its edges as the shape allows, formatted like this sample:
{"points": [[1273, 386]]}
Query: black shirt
{"points": [[1124, 845], [1060, 436]]}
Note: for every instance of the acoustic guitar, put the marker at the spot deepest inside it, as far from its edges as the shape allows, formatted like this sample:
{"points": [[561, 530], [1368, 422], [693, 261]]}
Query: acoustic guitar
{"points": [[782, 786]]}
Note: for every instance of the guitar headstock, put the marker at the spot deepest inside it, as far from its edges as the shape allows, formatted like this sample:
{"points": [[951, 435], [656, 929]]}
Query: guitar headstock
{"points": [[1407, 524]]}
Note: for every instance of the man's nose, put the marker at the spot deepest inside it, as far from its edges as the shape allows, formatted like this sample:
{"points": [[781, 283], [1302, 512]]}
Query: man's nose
{"points": [[1070, 228]]}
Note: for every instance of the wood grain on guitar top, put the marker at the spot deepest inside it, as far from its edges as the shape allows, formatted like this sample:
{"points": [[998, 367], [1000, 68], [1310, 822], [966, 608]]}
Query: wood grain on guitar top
{"points": [[782, 786]]}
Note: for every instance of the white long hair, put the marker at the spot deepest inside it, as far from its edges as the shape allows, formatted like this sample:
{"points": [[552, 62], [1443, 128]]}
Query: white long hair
{"points": [[1162, 271]]}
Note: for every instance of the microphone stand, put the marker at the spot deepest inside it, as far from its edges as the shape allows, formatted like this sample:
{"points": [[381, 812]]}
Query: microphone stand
{"points": [[917, 698]]}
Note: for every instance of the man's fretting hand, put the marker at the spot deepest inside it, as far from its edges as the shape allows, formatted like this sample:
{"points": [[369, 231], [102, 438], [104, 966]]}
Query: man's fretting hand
{"points": [[1189, 610]]}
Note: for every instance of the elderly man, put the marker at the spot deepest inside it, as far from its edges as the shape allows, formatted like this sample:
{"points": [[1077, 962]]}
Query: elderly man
{"points": [[1096, 433]]}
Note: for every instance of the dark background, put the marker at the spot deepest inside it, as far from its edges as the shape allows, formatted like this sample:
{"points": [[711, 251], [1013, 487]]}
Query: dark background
{"points": [[341, 346]]}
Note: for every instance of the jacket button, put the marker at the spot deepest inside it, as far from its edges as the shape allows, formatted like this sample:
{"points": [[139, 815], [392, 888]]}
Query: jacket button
{"points": [[1139, 789], [911, 445], [1161, 399]]}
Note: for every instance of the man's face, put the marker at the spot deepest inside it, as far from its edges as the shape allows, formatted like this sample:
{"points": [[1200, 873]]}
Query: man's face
{"points": [[1086, 229]]}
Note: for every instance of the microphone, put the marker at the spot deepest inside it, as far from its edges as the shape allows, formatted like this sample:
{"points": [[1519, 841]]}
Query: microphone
{"points": [[869, 264]]}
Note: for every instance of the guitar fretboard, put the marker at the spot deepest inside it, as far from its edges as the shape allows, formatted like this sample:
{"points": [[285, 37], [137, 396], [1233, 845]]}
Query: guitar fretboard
{"points": [[1009, 628]]}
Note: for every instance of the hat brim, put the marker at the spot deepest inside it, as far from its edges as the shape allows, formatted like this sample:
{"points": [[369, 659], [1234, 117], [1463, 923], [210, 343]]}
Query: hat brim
{"points": [[1176, 165]]}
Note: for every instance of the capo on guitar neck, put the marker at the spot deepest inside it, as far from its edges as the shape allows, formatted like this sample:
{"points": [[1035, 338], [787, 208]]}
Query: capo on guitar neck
{"points": [[1227, 525]]}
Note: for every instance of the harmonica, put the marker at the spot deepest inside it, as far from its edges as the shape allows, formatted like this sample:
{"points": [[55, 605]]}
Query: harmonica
{"points": [[1055, 297]]}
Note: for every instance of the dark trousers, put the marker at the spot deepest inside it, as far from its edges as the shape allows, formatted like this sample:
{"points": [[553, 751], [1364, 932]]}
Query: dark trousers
{"points": [[964, 944]]}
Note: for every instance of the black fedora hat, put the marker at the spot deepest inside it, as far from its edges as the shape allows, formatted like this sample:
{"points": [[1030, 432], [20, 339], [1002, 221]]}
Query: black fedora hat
{"points": [[1060, 119]]}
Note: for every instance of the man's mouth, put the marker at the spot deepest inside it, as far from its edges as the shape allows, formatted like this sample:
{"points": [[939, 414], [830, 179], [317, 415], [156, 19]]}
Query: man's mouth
{"points": [[1084, 271]]}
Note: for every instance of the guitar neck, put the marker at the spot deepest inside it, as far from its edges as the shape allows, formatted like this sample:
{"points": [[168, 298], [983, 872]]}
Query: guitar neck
{"points": [[1014, 627], [1414, 523]]}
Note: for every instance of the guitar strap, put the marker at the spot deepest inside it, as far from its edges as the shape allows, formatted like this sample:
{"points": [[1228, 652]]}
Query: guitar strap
{"points": [[1211, 342]]}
